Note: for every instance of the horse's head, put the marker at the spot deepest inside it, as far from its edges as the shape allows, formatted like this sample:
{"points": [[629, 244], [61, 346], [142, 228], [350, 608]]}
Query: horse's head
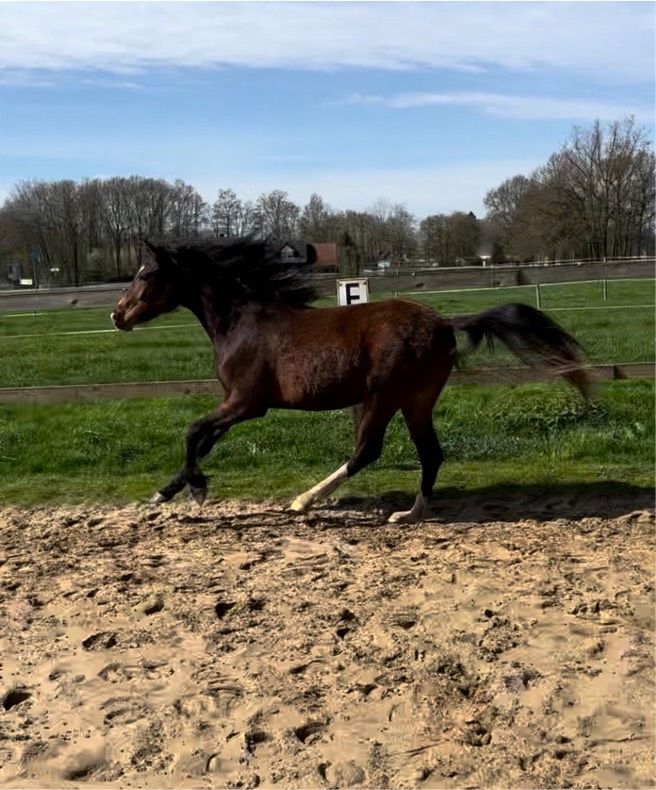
{"points": [[155, 289]]}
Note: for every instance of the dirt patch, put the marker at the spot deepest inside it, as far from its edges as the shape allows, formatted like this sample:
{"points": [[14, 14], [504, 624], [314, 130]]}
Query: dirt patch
{"points": [[244, 646]]}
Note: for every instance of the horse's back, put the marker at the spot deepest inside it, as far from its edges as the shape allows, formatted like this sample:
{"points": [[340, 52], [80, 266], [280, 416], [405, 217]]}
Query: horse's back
{"points": [[404, 315], [331, 357], [405, 318]]}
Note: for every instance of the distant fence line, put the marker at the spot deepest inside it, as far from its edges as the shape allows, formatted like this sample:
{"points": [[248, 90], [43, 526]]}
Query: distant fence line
{"points": [[156, 389], [507, 275], [393, 281]]}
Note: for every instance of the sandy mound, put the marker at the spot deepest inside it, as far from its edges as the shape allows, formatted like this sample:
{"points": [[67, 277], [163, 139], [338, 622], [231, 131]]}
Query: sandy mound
{"points": [[246, 646]]}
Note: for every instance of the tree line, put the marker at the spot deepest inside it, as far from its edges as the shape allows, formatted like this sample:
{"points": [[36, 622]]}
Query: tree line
{"points": [[594, 198]]}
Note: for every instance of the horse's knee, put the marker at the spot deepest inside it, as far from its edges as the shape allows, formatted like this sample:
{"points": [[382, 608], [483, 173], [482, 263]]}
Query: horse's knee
{"points": [[196, 431], [204, 445], [200, 439]]}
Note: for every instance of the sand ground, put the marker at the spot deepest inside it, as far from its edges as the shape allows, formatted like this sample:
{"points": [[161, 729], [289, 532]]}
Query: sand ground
{"points": [[245, 646]]}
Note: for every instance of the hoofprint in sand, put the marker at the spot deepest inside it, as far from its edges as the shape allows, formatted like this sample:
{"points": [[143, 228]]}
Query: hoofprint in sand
{"points": [[248, 646]]}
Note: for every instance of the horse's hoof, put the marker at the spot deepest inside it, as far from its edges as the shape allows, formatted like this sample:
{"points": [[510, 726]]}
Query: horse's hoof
{"points": [[158, 499], [299, 506], [197, 495], [402, 517], [405, 517], [413, 516]]}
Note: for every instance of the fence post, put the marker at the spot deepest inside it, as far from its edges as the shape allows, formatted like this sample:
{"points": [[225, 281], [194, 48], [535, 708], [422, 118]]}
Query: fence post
{"points": [[604, 289], [538, 303]]}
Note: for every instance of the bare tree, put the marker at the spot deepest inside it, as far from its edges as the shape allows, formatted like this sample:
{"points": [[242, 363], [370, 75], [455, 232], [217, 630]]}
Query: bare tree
{"points": [[277, 215], [28, 209], [316, 222], [149, 202], [188, 213], [594, 198], [503, 203], [50, 216], [68, 208], [360, 227], [445, 237], [401, 232], [226, 214], [435, 238], [116, 214]]}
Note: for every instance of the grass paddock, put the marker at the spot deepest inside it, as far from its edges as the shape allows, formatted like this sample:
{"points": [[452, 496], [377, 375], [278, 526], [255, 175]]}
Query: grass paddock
{"points": [[537, 434], [116, 451], [78, 346]]}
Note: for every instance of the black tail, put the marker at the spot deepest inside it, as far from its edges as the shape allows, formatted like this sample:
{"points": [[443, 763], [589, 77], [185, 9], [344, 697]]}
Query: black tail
{"points": [[532, 336]]}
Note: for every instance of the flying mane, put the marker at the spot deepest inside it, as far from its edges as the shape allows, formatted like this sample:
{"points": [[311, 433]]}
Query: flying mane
{"points": [[244, 270]]}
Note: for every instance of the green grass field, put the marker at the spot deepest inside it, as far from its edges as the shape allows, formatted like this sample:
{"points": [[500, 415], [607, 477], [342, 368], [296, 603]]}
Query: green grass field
{"points": [[537, 434], [116, 451], [35, 352]]}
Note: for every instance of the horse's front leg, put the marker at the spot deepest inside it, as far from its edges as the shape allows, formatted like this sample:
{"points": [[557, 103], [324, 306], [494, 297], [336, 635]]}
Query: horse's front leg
{"points": [[201, 437]]}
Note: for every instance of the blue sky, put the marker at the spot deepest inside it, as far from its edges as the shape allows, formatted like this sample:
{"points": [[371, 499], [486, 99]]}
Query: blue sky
{"points": [[426, 104]]}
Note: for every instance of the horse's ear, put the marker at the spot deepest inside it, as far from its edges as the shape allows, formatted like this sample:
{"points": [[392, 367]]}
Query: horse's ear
{"points": [[158, 253], [153, 249]]}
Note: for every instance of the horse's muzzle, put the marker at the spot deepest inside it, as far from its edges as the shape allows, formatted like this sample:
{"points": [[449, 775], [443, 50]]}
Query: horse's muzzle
{"points": [[119, 322]]}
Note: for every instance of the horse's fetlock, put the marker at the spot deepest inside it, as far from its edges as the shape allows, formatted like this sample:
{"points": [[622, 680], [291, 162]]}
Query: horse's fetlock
{"points": [[197, 480]]}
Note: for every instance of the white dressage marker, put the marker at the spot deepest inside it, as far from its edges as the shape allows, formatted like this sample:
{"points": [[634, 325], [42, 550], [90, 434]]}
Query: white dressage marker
{"points": [[355, 291]]}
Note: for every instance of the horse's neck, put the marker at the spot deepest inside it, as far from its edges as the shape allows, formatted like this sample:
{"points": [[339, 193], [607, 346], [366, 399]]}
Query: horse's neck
{"points": [[209, 314]]}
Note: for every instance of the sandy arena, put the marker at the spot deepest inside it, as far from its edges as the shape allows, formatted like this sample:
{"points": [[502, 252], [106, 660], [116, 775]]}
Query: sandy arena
{"points": [[244, 646]]}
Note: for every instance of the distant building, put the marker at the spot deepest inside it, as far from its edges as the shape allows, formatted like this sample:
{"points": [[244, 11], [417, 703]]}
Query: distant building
{"points": [[322, 257], [294, 251], [10, 273], [326, 257]]}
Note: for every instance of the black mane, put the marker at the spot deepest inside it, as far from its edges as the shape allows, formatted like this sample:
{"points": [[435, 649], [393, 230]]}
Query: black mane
{"points": [[243, 270]]}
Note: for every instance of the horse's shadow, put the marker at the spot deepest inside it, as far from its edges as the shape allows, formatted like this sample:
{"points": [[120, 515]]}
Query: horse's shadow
{"points": [[498, 503], [515, 502]]}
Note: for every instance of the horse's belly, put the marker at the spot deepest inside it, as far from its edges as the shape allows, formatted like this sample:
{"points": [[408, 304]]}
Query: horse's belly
{"points": [[326, 381], [327, 400]]}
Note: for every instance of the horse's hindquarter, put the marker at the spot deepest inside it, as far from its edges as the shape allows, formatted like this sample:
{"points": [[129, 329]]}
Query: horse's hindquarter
{"points": [[411, 347], [335, 357]]}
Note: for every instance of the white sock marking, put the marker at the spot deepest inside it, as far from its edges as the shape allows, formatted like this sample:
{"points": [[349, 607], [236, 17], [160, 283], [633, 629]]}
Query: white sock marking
{"points": [[322, 489], [411, 516]]}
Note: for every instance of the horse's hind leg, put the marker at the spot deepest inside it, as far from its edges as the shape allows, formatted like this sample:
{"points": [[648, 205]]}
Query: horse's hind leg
{"points": [[356, 413], [374, 416], [419, 419]]}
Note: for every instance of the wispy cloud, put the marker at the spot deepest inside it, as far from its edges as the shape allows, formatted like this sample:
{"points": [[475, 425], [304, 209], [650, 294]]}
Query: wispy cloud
{"points": [[113, 84], [508, 106], [607, 41], [26, 79]]}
